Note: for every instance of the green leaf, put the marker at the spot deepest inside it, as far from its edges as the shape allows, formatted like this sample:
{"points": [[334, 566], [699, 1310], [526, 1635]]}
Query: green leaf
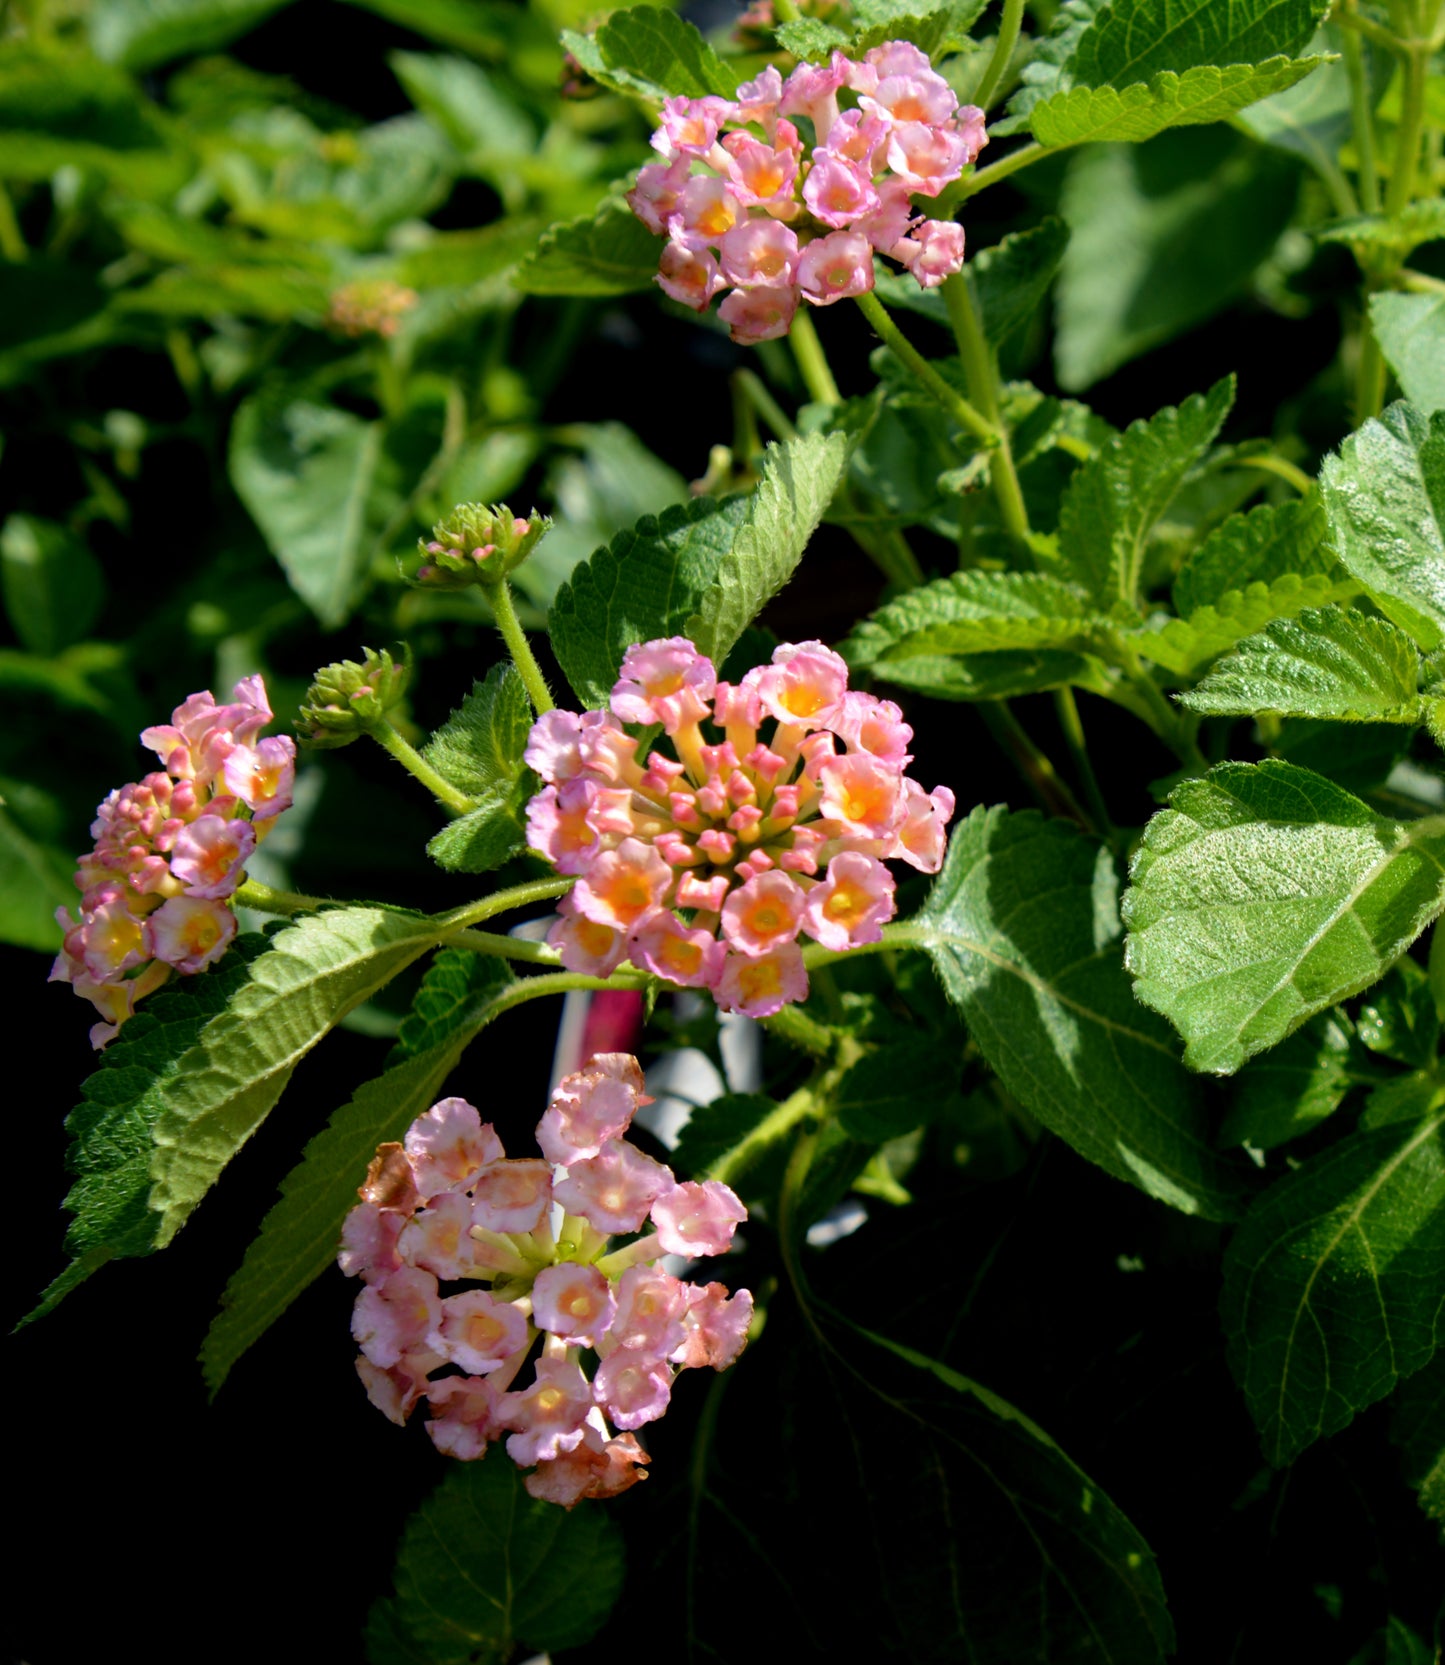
{"points": [[1023, 929], [974, 612], [730, 1135], [898, 1087], [1043, 75], [1115, 498], [143, 34], [1327, 662], [297, 1242], [1145, 259], [1399, 1019], [1185, 646], [59, 110], [532, 1574], [1418, 1428], [111, 1129], [319, 483], [1311, 120], [1094, 115], [1009, 281], [480, 745], [1332, 1283], [785, 509], [485, 837], [646, 583], [996, 676], [810, 40], [467, 104], [661, 47], [1292, 1087], [460, 259], [1357, 756], [1265, 894], [1385, 496], [1267, 543], [35, 880], [1132, 40], [1391, 237], [315, 973], [609, 252], [53, 585], [936, 28], [1411, 333]]}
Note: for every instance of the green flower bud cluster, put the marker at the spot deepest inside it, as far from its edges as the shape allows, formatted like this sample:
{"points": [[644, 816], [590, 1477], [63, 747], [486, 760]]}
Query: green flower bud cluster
{"points": [[478, 544], [346, 700]]}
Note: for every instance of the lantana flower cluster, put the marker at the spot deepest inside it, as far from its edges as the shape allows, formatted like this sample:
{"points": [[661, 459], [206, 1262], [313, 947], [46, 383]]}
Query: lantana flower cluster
{"points": [[747, 205], [170, 851], [447, 1207], [706, 866]]}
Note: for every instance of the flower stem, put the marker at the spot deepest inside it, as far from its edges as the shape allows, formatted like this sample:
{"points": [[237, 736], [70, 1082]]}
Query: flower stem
{"points": [[1400, 191], [503, 901], [1074, 738], [1362, 120], [756, 393], [1033, 763], [800, 1029], [415, 764], [264, 899], [1003, 51], [980, 372], [1023, 157], [902, 349], [1285, 469], [500, 596], [812, 360]]}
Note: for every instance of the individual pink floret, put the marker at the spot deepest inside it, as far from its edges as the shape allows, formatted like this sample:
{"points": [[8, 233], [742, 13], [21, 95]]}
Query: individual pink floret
{"points": [[805, 683], [933, 251], [448, 1146], [439, 1238], [922, 836], [623, 885], [838, 191], [210, 854], [863, 794], [594, 950], [108, 939], [759, 987], [926, 158], [759, 252], [812, 91], [394, 1392], [262, 776], [876, 726], [588, 1108], [654, 198], [853, 903], [758, 99], [698, 1218], [835, 267], [396, 1316], [189, 933], [706, 209], [598, 1467], [512, 1195], [570, 823], [762, 175], [651, 1304], [547, 1417], [717, 1327], [632, 1387], [572, 1301], [690, 957], [478, 1332], [690, 276], [666, 681], [760, 314], [918, 98], [764, 914], [464, 1416], [368, 1243], [689, 126], [614, 1190]]}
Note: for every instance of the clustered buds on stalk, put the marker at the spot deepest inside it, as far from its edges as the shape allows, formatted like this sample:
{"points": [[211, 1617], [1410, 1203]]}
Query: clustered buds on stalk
{"points": [[478, 544], [346, 699], [778, 222], [170, 851], [369, 306], [447, 1206], [706, 866]]}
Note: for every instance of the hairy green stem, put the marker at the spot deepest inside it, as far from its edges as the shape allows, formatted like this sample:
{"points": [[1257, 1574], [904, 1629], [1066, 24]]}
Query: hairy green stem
{"points": [[799, 1107], [1003, 51], [1349, 18], [1400, 191], [496, 946], [1362, 120], [1023, 157], [980, 373], [500, 596], [1421, 283], [902, 349], [1075, 739], [801, 1030], [1370, 372], [504, 901], [415, 764], [1032, 762], [755, 391], [1280, 466], [812, 361], [251, 893]]}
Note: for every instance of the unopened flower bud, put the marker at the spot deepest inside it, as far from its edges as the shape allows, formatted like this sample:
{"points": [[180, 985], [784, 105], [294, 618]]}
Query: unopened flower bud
{"points": [[347, 699], [478, 544]]}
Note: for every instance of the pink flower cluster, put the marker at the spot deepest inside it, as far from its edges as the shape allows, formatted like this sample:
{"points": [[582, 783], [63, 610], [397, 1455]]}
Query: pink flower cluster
{"points": [[170, 851], [777, 223], [448, 1206], [705, 867]]}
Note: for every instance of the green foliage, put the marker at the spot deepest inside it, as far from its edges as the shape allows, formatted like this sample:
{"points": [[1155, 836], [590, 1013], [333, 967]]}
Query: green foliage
{"points": [[143, 34], [1265, 894], [53, 586], [297, 1241], [798, 483], [609, 252], [536, 1575], [479, 750], [1114, 500], [1132, 40], [1331, 1283], [1418, 1428], [1010, 280], [1399, 1019], [1023, 928], [656, 44], [1385, 496], [1411, 333], [897, 1087], [1269, 543], [34, 881], [1286, 1091]]}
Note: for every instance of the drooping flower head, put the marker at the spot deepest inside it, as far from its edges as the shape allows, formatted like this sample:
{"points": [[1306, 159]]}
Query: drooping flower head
{"points": [[170, 851], [448, 1207], [765, 816], [785, 193]]}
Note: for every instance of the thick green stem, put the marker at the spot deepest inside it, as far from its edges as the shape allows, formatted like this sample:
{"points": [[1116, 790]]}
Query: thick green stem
{"points": [[415, 764], [800, 1107], [980, 372], [1032, 762], [812, 361], [902, 349], [1003, 51], [1421, 283], [264, 899], [1401, 190], [504, 901], [1023, 157], [801, 1030], [1362, 119], [755, 391], [1078, 745], [500, 596], [1280, 466], [498, 947], [1349, 18], [1370, 373]]}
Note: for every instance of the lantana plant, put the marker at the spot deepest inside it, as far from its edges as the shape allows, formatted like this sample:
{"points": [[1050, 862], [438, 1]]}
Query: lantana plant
{"points": [[963, 876]]}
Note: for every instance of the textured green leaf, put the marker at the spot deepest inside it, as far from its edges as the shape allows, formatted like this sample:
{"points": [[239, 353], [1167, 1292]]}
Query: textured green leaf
{"points": [[1265, 894], [1146, 260], [1023, 929], [1115, 498], [1095, 115], [1292, 1087], [480, 745], [1010, 280], [646, 583], [482, 839], [1418, 1428], [318, 482], [1411, 333], [1043, 75], [467, 104], [531, 1573], [974, 612], [785, 509], [935, 27], [1385, 496], [35, 880], [1311, 119], [1267, 543], [111, 1129], [809, 39], [1399, 1019], [996, 676], [609, 252], [898, 1087], [1395, 236], [315, 973], [660, 46], [1333, 1283], [297, 1241], [1326, 662], [729, 1136], [59, 110], [1358, 756], [1132, 40], [143, 34], [53, 585], [1185, 646]]}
